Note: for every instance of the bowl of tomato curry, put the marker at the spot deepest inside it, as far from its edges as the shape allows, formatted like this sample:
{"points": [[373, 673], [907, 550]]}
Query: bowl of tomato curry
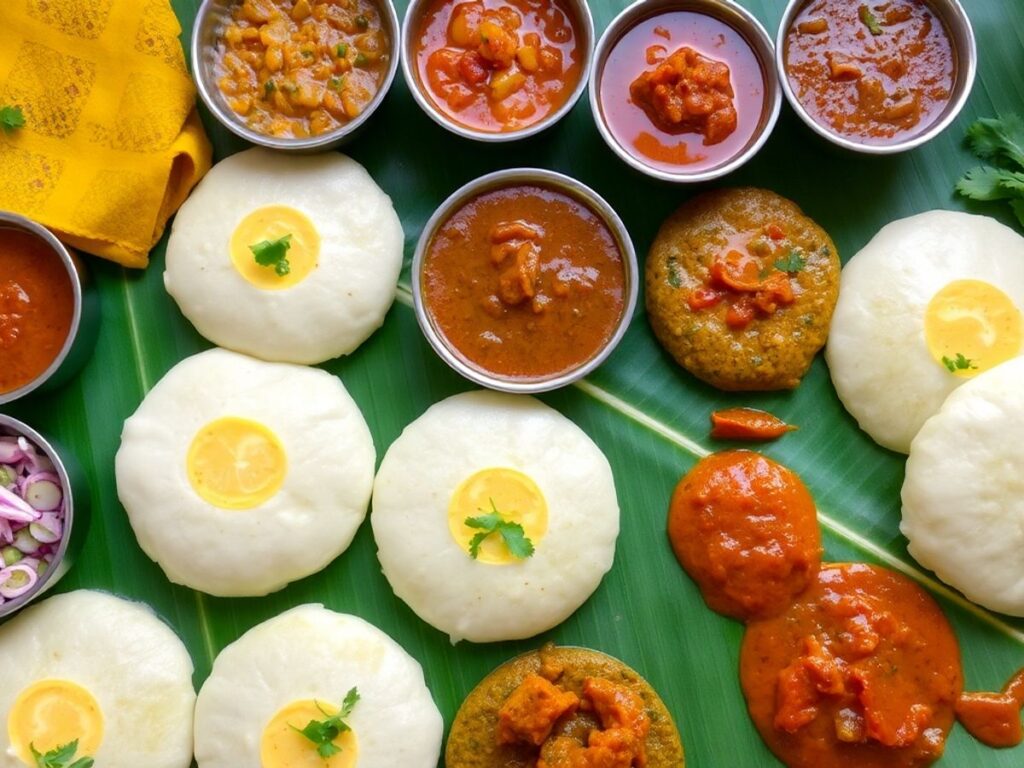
{"points": [[524, 280], [877, 77], [497, 70], [303, 75], [685, 90], [49, 312]]}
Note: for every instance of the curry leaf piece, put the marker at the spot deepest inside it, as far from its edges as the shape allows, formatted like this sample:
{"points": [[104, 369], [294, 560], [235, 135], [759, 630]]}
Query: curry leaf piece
{"points": [[519, 546], [958, 363], [792, 262], [869, 20], [998, 138], [60, 757], [273, 253], [324, 732], [675, 273], [11, 118]]}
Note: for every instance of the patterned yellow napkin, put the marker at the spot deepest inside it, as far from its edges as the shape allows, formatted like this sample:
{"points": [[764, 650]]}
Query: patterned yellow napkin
{"points": [[112, 143]]}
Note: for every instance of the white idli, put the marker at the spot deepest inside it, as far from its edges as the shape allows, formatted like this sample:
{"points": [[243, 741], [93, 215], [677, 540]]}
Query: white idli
{"points": [[345, 254], [240, 476], [486, 453], [934, 292], [963, 495], [98, 669], [294, 668]]}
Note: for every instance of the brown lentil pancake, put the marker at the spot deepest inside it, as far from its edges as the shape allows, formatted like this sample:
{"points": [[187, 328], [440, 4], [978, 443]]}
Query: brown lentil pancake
{"points": [[473, 741], [750, 338]]}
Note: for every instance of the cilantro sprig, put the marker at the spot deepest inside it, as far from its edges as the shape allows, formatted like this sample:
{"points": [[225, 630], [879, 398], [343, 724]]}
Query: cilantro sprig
{"points": [[958, 363], [793, 261], [60, 757], [324, 732], [11, 118], [489, 523], [273, 253], [869, 20], [1000, 140]]}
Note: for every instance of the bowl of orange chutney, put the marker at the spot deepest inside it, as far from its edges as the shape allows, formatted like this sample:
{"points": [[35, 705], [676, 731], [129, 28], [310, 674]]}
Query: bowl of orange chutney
{"points": [[685, 90], [303, 75], [524, 280], [497, 70], [879, 77], [49, 310]]}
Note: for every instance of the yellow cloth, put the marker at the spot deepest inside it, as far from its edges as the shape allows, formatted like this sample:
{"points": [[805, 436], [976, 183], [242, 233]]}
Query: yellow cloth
{"points": [[112, 143]]}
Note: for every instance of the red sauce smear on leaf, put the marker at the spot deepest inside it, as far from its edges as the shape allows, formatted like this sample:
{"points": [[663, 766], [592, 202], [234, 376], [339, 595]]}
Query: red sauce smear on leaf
{"points": [[994, 718], [747, 424]]}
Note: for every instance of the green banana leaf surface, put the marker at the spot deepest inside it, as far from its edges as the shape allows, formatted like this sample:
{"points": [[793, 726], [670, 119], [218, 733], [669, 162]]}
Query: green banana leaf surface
{"points": [[649, 416]]}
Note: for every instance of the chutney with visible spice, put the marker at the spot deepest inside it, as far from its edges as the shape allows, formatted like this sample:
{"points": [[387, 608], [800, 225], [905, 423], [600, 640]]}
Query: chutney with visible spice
{"points": [[741, 287], [37, 306], [524, 282], [871, 72], [563, 708]]}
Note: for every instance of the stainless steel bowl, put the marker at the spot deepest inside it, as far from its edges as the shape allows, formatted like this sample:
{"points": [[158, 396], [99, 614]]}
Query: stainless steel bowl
{"points": [[737, 17], [214, 15], [84, 321], [501, 180], [410, 26], [961, 33], [76, 513]]}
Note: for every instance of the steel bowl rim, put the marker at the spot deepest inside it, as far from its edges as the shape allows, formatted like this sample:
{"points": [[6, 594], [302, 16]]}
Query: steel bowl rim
{"points": [[12, 424], [412, 81], [956, 105], [226, 117], [25, 224], [578, 191], [633, 14]]}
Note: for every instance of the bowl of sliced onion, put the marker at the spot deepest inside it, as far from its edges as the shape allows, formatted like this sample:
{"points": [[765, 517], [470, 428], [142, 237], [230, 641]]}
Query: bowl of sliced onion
{"points": [[42, 522]]}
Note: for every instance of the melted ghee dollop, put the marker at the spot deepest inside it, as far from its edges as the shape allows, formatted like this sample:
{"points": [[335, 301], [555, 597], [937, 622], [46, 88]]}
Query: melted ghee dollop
{"points": [[974, 319], [236, 463], [272, 223], [513, 494], [283, 747], [51, 713]]}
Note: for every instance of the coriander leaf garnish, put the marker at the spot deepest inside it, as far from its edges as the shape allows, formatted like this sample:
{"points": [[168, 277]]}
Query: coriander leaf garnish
{"points": [[791, 262], [324, 732], [11, 118], [869, 20], [268, 88], [1000, 140], [273, 253], [59, 757], [362, 22], [675, 273], [519, 546], [958, 363], [341, 50]]}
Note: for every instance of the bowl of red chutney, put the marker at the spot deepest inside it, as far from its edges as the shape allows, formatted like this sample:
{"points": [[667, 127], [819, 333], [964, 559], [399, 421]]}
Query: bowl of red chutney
{"points": [[685, 90]]}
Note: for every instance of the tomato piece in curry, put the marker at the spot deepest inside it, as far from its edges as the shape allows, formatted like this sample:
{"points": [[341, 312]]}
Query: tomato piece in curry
{"points": [[861, 671], [37, 306], [298, 68], [498, 65], [682, 89], [871, 72], [524, 282]]}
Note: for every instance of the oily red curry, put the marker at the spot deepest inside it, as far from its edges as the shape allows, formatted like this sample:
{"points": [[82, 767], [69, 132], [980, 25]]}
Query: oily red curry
{"points": [[871, 72], [842, 665], [524, 282], [746, 530], [994, 718], [682, 89], [498, 65], [747, 424], [37, 306]]}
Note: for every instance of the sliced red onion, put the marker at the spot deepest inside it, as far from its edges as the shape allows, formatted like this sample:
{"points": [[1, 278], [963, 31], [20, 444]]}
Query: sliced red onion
{"points": [[6, 532], [42, 491], [47, 529], [16, 580], [27, 543], [8, 476], [10, 451], [15, 508]]}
